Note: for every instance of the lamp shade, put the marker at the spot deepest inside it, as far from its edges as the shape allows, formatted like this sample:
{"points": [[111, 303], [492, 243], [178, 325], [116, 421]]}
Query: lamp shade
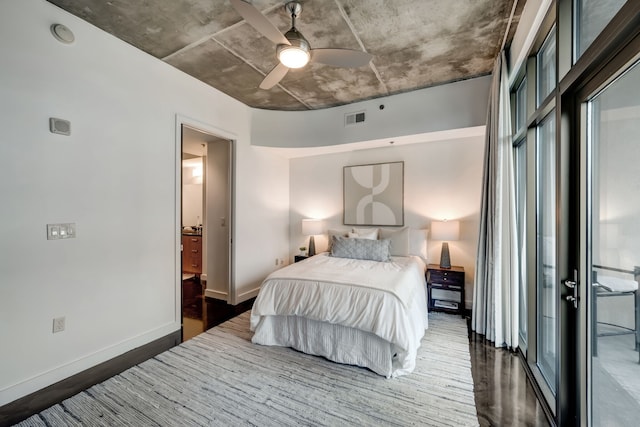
{"points": [[311, 227], [445, 230]]}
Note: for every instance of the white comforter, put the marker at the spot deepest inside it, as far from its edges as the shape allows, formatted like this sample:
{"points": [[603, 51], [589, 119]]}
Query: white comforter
{"points": [[384, 298]]}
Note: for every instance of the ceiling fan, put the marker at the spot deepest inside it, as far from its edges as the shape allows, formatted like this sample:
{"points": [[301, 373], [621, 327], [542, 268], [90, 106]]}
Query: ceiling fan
{"points": [[293, 50]]}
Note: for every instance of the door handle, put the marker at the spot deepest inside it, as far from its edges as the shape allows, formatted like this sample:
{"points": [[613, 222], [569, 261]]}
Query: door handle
{"points": [[573, 285]]}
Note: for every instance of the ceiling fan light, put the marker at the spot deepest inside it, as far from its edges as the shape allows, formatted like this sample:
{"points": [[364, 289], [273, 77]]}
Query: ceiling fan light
{"points": [[293, 57]]}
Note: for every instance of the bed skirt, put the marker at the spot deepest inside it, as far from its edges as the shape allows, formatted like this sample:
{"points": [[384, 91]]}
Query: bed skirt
{"points": [[337, 343]]}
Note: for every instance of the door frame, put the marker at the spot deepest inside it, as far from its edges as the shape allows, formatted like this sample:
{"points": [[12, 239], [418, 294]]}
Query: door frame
{"points": [[195, 124]]}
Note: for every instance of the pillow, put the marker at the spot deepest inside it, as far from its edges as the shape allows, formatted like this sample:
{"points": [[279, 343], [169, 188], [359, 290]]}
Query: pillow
{"points": [[418, 243], [372, 250], [366, 233], [399, 240], [370, 236], [331, 233]]}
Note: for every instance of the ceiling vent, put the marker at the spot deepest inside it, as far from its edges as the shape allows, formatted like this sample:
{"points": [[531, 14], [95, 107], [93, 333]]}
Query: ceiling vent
{"points": [[351, 119]]}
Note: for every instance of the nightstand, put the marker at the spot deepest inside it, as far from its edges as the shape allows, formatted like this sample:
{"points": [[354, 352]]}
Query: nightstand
{"points": [[299, 258], [445, 287]]}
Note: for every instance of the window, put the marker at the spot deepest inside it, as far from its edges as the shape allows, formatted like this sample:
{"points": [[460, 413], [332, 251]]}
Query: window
{"points": [[520, 106], [591, 18], [520, 158], [546, 245], [520, 171], [546, 72]]}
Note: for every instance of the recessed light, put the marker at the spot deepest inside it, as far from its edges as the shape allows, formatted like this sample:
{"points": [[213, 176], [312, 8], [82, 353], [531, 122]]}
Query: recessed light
{"points": [[62, 33]]}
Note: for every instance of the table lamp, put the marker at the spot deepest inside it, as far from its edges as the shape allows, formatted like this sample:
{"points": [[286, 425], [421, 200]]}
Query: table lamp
{"points": [[311, 227], [446, 231]]}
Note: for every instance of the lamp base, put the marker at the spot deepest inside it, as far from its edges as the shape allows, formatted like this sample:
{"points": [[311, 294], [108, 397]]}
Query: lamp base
{"points": [[445, 259], [312, 246]]}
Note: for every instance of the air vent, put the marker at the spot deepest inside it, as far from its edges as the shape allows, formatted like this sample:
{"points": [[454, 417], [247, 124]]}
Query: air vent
{"points": [[351, 119]]}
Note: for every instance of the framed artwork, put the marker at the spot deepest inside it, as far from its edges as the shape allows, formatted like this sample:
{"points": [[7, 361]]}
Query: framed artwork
{"points": [[374, 194]]}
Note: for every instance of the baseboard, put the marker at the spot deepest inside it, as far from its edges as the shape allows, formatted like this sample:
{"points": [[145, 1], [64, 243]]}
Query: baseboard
{"points": [[248, 295], [211, 293], [33, 403]]}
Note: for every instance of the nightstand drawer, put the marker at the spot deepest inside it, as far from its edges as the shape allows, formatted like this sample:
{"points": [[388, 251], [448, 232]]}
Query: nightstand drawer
{"points": [[447, 277]]}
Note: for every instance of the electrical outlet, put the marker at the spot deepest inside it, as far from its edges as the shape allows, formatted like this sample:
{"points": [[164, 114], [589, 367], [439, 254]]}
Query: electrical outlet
{"points": [[58, 324]]}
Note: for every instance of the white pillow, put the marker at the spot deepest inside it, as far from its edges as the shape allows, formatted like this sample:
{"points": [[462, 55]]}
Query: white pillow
{"points": [[399, 240], [418, 243], [373, 235], [331, 233], [362, 232]]}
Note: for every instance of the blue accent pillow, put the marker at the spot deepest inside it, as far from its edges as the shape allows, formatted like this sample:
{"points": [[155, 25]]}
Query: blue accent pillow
{"points": [[373, 250]]}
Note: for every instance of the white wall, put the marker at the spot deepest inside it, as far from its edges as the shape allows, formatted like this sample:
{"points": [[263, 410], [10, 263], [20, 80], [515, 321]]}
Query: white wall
{"points": [[442, 181], [116, 178], [456, 105]]}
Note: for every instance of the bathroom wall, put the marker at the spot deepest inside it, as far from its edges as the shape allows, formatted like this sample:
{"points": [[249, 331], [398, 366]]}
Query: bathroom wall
{"points": [[192, 191]]}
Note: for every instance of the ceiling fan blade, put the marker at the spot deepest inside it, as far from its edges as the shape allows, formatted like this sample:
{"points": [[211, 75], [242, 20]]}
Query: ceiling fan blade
{"points": [[274, 76], [347, 58], [258, 21]]}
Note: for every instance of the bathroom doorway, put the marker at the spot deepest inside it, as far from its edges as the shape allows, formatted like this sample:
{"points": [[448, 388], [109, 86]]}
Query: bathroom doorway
{"points": [[206, 213]]}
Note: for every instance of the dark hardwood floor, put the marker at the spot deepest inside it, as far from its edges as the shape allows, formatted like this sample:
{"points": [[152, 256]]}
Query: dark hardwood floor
{"points": [[200, 313], [504, 395]]}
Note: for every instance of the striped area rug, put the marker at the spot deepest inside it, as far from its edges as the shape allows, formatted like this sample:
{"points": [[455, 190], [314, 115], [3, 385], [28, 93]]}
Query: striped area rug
{"points": [[220, 378]]}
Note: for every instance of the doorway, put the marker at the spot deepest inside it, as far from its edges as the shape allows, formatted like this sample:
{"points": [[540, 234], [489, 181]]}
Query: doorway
{"points": [[205, 225]]}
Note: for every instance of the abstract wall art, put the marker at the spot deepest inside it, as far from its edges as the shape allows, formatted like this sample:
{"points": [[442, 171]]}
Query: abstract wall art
{"points": [[374, 194]]}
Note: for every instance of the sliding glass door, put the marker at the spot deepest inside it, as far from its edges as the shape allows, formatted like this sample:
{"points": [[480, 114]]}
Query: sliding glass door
{"points": [[611, 122]]}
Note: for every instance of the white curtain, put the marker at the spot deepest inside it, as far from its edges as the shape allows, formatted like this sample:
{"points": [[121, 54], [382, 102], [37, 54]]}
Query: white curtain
{"points": [[495, 294]]}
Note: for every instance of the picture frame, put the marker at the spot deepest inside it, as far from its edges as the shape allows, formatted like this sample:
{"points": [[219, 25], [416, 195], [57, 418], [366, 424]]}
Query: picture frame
{"points": [[373, 194]]}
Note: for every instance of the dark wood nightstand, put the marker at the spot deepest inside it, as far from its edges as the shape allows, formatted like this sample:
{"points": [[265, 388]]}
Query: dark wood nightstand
{"points": [[445, 288], [299, 258]]}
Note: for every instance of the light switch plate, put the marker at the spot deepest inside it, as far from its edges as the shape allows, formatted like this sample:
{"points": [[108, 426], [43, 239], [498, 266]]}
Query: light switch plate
{"points": [[61, 231]]}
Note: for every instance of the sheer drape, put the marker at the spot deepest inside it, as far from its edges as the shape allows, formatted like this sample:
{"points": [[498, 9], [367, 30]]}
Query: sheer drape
{"points": [[495, 295]]}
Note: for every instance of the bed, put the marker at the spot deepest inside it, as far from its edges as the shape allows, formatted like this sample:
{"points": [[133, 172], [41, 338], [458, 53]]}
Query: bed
{"points": [[363, 312]]}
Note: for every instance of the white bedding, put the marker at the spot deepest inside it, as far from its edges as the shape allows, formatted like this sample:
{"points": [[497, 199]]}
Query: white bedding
{"points": [[387, 299]]}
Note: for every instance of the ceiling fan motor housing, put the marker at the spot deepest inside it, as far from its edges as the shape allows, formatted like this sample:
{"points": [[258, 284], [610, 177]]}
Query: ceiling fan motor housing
{"points": [[298, 43]]}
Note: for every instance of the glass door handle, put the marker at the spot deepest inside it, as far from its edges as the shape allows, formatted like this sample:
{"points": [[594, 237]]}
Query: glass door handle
{"points": [[573, 285]]}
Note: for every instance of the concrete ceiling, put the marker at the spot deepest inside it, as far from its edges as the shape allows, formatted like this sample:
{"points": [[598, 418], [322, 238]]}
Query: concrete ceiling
{"points": [[414, 43]]}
